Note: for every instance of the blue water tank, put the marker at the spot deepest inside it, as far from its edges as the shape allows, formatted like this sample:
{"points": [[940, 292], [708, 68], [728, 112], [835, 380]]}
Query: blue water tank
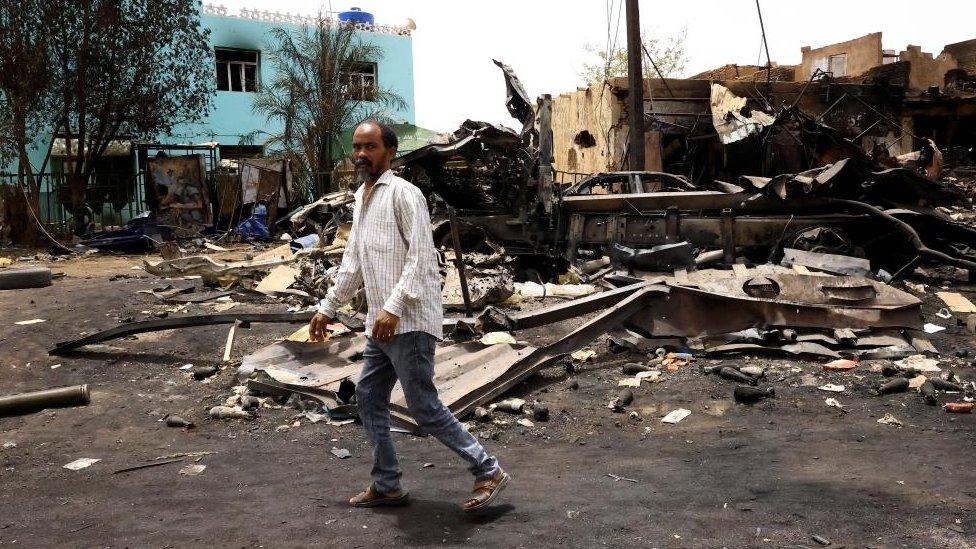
{"points": [[356, 15]]}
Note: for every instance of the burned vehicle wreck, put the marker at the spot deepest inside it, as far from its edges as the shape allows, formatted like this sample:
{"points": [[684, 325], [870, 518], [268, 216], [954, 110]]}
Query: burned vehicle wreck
{"points": [[845, 203]]}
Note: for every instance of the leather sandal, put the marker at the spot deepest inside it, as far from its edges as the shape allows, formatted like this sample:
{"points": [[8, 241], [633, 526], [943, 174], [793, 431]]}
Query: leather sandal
{"points": [[485, 491], [371, 498]]}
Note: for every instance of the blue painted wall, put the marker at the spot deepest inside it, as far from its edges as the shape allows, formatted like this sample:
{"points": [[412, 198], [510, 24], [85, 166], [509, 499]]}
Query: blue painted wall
{"points": [[232, 116]]}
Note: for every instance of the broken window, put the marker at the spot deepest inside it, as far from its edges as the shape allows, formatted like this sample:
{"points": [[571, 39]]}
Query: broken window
{"points": [[837, 64], [360, 82], [237, 70]]}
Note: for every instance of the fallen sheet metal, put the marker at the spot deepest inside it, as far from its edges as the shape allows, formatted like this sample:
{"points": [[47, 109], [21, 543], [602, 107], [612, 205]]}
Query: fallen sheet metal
{"points": [[828, 263], [179, 322], [466, 374], [799, 301], [213, 271], [732, 119]]}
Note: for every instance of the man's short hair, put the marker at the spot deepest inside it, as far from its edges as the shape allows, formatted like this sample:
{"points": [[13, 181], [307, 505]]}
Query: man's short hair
{"points": [[389, 136]]}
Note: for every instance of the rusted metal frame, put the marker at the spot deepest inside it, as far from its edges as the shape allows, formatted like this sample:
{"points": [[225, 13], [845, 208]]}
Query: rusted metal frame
{"points": [[728, 235], [866, 130], [831, 107], [544, 356], [459, 261], [672, 224], [650, 230], [179, 322], [690, 200], [657, 70], [908, 231], [680, 314], [575, 234]]}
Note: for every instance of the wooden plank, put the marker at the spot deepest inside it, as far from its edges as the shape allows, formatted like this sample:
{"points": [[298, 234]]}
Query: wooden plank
{"points": [[280, 278], [281, 252], [957, 302]]}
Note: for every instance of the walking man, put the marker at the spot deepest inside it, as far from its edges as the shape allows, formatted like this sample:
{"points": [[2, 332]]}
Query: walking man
{"points": [[391, 253]]}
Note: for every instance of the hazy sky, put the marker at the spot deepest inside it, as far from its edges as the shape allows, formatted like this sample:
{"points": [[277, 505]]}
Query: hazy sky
{"points": [[543, 40]]}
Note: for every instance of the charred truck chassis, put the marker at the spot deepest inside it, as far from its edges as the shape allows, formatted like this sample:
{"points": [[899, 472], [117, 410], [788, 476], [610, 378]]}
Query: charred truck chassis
{"points": [[496, 179]]}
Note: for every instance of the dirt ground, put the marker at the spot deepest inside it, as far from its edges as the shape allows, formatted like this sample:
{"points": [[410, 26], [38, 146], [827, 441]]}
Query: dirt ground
{"points": [[774, 474]]}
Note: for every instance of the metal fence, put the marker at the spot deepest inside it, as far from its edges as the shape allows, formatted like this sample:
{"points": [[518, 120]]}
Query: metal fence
{"points": [[111, 199]]}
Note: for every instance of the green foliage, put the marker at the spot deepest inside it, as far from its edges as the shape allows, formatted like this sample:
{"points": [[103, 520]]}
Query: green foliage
{"points": [[26, 76], [668, 54], [312, 99], [99, 70]]}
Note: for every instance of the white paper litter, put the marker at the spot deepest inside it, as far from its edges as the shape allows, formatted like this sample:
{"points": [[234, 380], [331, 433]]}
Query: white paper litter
{"points": [[81, 463], [193, 469], [29, 322], [932, 328], [674, 416], [832, 388]]}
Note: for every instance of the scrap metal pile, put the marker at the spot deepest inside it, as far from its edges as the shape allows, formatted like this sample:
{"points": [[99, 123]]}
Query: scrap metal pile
{"points": [[798, 264]]}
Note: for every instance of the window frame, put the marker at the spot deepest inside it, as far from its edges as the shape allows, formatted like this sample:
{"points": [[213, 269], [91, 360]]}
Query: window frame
{"points": [[830, 63], [240, 67], [361, 76]]}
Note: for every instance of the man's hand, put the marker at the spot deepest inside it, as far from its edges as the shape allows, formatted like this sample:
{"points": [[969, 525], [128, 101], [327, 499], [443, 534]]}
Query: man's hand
{"points": [[317, 330], [385, 326]]}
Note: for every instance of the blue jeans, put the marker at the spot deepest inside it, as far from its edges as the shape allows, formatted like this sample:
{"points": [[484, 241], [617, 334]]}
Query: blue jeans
{"points": [[410, 358]]}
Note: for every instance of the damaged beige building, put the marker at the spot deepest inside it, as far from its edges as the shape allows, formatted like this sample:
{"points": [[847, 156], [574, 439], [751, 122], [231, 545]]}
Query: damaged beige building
{"points": [[859, 56], [890, 100]]}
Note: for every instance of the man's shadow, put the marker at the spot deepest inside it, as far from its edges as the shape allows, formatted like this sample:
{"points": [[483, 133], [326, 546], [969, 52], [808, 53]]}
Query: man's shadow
{"points": [[424, 522]]}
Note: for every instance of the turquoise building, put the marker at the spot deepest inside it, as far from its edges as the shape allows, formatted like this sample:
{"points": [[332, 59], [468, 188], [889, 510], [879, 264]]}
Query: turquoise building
{"points": [[240, 44], [241, 64]]}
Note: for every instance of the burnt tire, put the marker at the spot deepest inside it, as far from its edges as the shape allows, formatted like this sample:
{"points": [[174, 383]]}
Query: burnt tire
{"points": [[29, 277]]}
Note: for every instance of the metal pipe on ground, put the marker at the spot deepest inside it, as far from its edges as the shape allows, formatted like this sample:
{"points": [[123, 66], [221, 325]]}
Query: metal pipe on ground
{"points": [[28, 403]]}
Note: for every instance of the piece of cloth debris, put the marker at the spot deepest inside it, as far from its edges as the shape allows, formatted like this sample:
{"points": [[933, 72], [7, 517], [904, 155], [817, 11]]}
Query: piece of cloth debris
{"points": [[81, 463], [675, 416]]}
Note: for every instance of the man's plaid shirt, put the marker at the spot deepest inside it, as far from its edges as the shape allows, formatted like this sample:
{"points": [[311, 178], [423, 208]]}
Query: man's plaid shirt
{"points": [[391, 252]]}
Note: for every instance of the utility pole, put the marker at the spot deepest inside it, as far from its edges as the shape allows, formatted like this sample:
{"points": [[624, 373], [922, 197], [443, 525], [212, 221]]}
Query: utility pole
{"points": [[635, 79]]}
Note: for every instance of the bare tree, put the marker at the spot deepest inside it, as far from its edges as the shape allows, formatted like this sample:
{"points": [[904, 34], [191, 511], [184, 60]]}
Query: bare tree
{"points": [[315, 95], [668, 54], [124, 69]]}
